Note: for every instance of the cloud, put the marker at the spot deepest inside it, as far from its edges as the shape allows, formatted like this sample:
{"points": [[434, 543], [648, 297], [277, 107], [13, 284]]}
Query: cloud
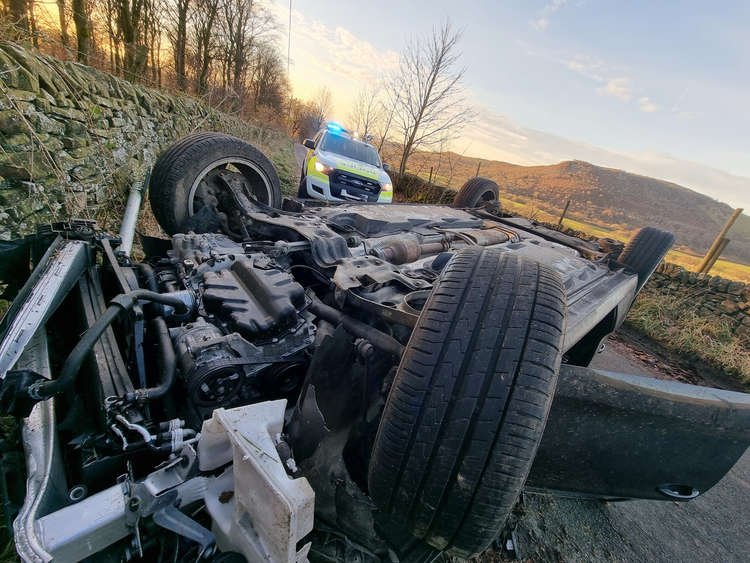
{"points": [[588, 67], [609, 79], [647, 105], [324, 55], [542, 21], [617, 87]]}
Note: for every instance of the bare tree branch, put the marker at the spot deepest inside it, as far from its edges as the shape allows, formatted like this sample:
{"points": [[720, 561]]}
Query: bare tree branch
{"points": [[429, 104]]}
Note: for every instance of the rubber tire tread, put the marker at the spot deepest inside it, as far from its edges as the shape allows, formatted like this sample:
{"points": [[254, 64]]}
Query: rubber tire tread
{"points": [[168, 157], [645, 251], [174, 172], [470, 400], [470, 194]]}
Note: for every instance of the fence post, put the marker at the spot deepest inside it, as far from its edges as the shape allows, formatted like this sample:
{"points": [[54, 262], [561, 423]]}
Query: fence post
{"points": [[715, 256], [562, 216], [717, 243], [479, 164]]}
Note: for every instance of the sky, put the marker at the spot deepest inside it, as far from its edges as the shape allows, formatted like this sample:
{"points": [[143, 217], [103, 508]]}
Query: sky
{"points": [[660, 88]]}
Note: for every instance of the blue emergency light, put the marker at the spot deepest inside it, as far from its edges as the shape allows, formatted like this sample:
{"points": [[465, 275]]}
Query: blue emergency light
{"points": [[334, 127]]}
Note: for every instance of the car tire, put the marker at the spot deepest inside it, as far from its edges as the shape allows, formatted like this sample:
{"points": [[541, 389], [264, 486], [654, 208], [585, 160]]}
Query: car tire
{"points": [[645, 251], [469, 402], [302, 190], [475, 192], [186, 161]]}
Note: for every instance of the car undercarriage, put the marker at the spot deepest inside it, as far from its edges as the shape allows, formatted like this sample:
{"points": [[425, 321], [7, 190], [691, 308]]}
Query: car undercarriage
{"points": [[277, 371]]}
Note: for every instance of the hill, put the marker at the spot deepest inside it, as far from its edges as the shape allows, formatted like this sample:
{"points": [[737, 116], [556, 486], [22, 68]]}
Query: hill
{"points": [[616, 200]]}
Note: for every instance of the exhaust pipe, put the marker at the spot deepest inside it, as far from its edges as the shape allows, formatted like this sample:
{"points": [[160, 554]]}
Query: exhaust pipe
{"points": [[130, 217]]}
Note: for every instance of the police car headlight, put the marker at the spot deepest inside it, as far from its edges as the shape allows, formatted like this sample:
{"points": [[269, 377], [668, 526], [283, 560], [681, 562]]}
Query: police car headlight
{"points": [[387, 187], [322, 168]]}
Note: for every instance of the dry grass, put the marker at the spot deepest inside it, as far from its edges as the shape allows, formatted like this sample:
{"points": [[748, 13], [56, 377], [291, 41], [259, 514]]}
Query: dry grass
{"points": [[675, 324], [724, 268]]}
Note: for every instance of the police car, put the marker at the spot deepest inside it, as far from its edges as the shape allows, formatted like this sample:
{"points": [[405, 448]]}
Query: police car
{"points": [[340, 167]]}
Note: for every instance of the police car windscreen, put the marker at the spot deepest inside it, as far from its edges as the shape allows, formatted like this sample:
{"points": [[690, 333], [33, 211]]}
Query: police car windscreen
{"points": [[350, 149]]}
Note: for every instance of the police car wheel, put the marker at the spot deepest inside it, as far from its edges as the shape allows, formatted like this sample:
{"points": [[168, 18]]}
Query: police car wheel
{"points": [[188, 174], [302, 191]]}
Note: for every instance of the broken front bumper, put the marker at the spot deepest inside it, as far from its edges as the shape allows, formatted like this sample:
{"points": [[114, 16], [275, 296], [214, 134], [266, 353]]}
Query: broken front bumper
{"points": [[256, 508]]}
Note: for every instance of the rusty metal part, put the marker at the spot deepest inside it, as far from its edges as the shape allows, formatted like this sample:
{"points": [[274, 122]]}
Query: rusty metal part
{"points": [[406, 250]]}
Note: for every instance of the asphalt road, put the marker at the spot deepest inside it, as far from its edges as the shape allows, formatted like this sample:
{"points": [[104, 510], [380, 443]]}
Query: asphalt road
{"points": [[299, 154], [713, 527]]}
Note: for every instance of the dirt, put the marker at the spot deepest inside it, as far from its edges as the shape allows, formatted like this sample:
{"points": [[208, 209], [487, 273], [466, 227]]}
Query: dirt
{"points": [[713, 527], [668, 364]]}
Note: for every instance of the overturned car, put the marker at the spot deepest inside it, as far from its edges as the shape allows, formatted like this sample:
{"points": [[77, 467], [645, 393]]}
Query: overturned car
{"points": [[281, 371]]}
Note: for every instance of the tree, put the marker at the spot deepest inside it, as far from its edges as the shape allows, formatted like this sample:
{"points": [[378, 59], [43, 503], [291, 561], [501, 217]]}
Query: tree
{"points": [[130, 19], [428, 100], [268, 81], [296, 112], [204, 15], [19, 14], [367, 110], [321, 107], [83, 32], [305, 116], [225, 47], [63, 22], [154, 18], [32, 23], [238, 41], [178, 35], [388, 110]]}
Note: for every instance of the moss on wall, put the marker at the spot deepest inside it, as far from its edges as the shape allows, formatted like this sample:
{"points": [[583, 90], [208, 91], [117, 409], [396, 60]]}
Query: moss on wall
{"points": [[73, 139]]}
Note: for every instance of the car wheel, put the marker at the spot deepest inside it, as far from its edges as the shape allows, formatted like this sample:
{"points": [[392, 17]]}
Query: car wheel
{"points": [[185, 176], [470, 399], [475, 192], [645, 251], [302, 191]]}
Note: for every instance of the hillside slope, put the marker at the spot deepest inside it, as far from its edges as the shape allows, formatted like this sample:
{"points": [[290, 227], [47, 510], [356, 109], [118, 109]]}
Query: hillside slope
{"points": [[603, 196]]}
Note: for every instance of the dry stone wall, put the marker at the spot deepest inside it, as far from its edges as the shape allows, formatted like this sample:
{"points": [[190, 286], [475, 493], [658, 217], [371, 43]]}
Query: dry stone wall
{"points": [[73, 138], [710, 296]]}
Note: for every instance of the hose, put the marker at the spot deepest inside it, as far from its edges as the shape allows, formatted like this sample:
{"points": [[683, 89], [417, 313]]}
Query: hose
{"points": [[353, 326], [148, 275], [167, 366], [123, 302]]}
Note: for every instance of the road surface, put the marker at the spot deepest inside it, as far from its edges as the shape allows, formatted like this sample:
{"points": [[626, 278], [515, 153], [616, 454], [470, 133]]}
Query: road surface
{"points": [[299, 153], [713, 527]]}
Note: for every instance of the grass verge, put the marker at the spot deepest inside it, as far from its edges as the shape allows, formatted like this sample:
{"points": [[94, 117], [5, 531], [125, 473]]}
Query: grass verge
{"points": [[673, 323]]}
